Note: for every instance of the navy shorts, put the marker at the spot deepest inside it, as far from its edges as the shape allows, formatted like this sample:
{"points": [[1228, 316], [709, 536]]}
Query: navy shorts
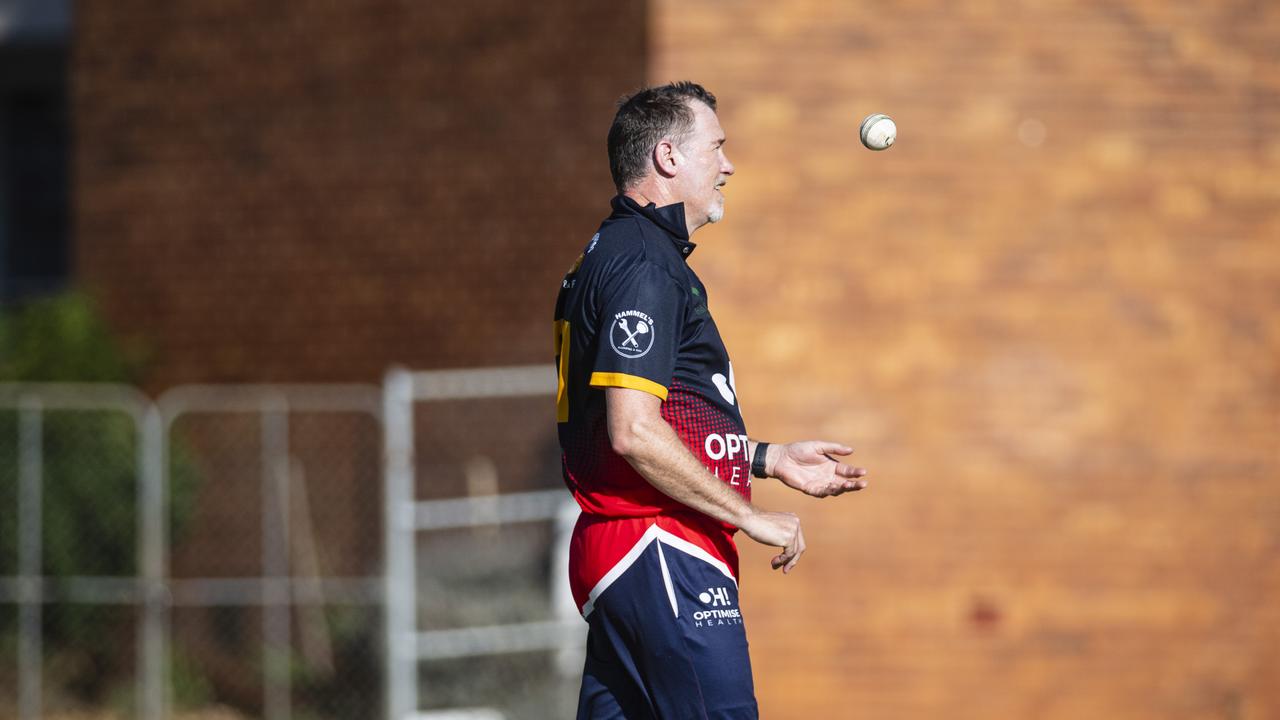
{"points": [[666, 642]]}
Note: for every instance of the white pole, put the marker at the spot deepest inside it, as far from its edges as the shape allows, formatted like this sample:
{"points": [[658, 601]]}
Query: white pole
{"points": [[277, 654], [399, 538], [31, 591], [153, 556]]}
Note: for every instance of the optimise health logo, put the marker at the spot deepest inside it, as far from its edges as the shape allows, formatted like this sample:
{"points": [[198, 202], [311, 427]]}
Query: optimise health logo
{"points": [[720, 612]]}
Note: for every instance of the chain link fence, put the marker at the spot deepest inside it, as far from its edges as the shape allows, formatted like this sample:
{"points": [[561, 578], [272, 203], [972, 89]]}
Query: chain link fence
{"points": [[276, 565], [478, 551], [70, 478], [223, 553]]}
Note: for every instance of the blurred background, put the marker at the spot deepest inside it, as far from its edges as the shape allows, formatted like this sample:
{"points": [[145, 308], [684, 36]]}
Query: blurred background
{"points": [[1048, 319]]}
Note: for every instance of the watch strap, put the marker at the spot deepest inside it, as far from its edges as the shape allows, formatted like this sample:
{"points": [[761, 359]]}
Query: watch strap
{"points": [[758, 461]]}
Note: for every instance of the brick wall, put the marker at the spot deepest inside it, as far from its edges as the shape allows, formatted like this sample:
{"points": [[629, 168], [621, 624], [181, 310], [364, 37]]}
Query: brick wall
{"points": [[312, 191], [1048, 319]]}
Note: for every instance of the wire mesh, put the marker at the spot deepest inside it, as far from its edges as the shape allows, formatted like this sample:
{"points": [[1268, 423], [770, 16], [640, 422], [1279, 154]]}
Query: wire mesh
{"points": [[8, 496], [8, 659], [483, 577], [68, 488], [491, 574], [274, 561], [272, 566], [485, 446], [223, 510], [90, 660], [90, 489]]}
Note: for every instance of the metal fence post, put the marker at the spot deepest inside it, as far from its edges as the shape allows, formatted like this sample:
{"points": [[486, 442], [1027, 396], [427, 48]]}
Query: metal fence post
{"points": [[153, 553], [398, 529], [31, 591], [276, 608]]}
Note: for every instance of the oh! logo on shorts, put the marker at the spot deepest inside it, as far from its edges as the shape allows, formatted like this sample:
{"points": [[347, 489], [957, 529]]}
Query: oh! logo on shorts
{"points": [[720, 613], [632, 333]]}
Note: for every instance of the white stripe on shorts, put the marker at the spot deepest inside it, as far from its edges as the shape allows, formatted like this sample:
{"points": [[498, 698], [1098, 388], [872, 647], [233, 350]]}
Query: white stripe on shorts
{"points": [[654, 533]]}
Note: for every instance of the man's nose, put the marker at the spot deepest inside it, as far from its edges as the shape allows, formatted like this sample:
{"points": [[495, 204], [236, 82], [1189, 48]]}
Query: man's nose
{"points": [[726, 167]]}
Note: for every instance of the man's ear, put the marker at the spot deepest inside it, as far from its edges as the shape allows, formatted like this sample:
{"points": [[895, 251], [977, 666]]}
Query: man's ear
{"points": [[665, 158]]}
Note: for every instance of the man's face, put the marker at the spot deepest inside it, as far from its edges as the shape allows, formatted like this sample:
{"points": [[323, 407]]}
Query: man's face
{"points": [[705, 170]]}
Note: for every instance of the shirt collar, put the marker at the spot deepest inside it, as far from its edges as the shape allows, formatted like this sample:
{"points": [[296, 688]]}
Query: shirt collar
{"points": [[668, 217]]}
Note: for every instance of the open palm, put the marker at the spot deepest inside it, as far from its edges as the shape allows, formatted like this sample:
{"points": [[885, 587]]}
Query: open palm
{"points": [[811, 468]]}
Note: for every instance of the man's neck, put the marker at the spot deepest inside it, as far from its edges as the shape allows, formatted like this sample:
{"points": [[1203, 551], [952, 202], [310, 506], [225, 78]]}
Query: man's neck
{"points": [[656, 194]]}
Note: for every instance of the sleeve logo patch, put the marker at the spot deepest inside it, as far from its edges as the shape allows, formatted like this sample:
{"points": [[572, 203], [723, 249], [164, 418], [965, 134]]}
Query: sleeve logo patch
{"points": [[631, 334]]}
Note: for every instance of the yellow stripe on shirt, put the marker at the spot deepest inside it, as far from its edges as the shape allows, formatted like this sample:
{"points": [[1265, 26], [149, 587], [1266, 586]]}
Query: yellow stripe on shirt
{"points": [[631, 382]]}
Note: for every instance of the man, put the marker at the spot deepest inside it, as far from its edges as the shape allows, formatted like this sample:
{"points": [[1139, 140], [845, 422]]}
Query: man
{"points": [[654, 446]]}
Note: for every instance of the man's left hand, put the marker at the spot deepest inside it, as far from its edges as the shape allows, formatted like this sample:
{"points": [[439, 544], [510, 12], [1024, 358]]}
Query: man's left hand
{"points": [[811, 468]]}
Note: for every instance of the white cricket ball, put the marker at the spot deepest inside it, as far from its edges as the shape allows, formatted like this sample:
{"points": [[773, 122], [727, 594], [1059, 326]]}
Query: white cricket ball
{"points": [[878, 131]]}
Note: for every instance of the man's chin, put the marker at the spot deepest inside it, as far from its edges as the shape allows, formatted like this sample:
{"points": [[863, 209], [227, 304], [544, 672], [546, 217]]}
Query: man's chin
{"points": [[715, 215]]}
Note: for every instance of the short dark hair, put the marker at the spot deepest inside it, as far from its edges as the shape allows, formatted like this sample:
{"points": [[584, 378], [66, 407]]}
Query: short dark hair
{"points": [[644, 118]]}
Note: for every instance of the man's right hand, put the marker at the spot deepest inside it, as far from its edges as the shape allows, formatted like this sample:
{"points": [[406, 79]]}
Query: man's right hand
{"points": [[777, 529]]}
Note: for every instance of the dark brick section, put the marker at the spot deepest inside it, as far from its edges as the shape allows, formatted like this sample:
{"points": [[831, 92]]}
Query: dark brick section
{"points": [[312, 191]]}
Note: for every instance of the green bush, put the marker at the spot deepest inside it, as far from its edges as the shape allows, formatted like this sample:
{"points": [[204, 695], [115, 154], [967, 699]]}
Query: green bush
{"points": [[63, 339]]}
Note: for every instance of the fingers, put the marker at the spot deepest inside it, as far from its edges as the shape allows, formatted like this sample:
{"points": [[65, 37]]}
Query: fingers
{"points": [[797, 550], [847, 479], [831, 448], [842, 488], [790, 554], [784, 558], [849, 471]]}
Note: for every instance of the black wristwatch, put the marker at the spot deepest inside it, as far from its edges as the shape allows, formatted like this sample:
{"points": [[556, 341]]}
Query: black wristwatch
{"points": [[758, 463]]}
